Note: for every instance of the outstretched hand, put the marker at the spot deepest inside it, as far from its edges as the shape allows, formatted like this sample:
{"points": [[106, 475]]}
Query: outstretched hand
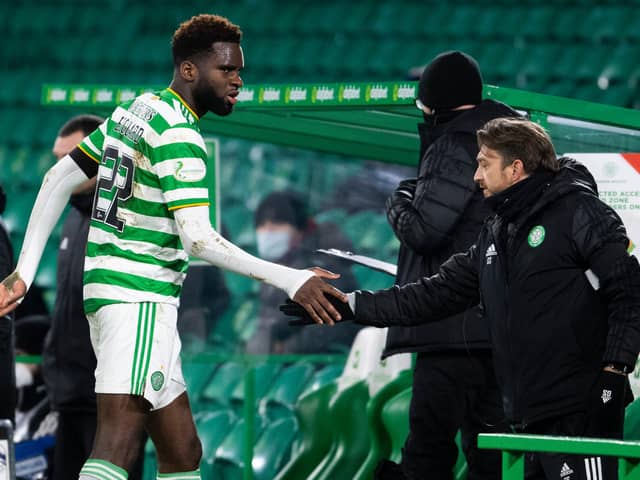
{"points": [[12, 289], [316, 297], [302, 316]]}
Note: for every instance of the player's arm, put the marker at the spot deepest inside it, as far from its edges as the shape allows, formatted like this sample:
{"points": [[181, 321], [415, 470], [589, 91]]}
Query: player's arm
{"points": [[56, 188], [303, 286]]}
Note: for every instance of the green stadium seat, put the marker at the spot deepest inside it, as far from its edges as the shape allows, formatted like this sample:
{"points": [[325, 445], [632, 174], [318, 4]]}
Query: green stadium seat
{"points": [[213, 428], [322, 377], [315, 433], [380, 441], [272, 448], [16, 216], [46, 276], [229, 457], [197, 375], [632, 421], [369, 279], [264, 375], [351, 440], [280, 399], [540, 18], [395, 417], [235, 325], [222, 383]]}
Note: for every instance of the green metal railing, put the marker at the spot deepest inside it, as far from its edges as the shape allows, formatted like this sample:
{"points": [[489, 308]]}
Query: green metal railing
{"points": [[514, 448]]}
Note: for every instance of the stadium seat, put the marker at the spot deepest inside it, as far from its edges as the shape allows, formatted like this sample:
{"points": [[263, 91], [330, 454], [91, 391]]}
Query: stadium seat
{"points": [[395, 417], [212, 428], [235, 325], [380, 441], [632, 421], [229, 456], [272, 448], [281, 397], [323, 377], [264, 375], [46, 276], [217, 393], [196, 375], [314, 433], [350, 443]]}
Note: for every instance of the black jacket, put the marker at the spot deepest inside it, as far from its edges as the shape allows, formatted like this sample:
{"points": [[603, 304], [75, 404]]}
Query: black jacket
{"points": [[443, 217], [68, 359], [551, 331]]}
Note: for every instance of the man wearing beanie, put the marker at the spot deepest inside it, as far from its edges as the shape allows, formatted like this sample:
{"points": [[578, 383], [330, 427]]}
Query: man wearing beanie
{"points": [[435, 215]]}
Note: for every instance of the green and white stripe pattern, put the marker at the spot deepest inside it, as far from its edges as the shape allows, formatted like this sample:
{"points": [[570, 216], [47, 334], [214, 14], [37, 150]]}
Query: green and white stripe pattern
{"points": [[195, 475], [102, 470], [142, 352], [152, 161]]}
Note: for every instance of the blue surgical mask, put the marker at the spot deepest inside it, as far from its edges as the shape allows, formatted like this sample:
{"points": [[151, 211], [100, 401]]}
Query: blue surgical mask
{"points": [[272, 245]]}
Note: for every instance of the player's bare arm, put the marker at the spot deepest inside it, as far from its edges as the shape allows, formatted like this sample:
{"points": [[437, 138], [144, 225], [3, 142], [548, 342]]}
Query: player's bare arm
{"points": [[306, 287]]}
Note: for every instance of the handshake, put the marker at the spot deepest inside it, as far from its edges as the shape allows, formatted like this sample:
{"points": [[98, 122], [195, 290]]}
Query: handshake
{"points": [[293, 309]]}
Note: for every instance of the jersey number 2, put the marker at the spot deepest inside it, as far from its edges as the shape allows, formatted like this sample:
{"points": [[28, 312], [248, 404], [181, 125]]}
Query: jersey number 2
{"points": [[115, 178]]}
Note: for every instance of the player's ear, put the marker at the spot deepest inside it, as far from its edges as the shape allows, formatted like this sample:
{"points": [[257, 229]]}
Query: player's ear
{"points": [[188, 70]]}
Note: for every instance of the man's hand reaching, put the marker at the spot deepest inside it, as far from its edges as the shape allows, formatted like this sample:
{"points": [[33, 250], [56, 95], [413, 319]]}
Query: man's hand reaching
{"points": [[319, 299], [12, 289], [293, 309]]}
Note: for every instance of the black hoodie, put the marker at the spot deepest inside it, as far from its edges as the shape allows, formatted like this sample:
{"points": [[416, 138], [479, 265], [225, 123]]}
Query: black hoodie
{"points": [[551, 330], [443, 218]]}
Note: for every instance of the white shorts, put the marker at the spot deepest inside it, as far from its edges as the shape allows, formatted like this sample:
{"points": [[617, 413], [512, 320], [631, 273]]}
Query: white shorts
{"points": [[138, 351]]}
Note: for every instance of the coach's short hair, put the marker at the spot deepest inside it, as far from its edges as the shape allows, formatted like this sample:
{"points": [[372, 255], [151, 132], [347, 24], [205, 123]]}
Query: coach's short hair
{"points": [[82, 123], [517, 138], [199, 33]]}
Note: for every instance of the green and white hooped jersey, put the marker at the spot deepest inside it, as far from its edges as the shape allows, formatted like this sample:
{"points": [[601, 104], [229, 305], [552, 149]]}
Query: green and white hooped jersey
{"points": [[152, 161]]}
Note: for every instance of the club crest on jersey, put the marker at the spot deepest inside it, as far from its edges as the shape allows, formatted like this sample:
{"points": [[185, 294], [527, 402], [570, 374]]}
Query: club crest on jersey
{"points": [[157, 380], [193, 171], [536, 236], [490, 253]]}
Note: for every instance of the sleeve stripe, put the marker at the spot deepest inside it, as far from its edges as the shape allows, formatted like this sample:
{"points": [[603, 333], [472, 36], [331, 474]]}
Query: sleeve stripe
{"points": [[177, 207], [86, 162], [186, 194], [89, 154]]}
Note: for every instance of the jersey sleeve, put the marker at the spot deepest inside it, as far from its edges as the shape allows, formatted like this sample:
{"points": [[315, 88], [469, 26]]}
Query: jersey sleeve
{"points": [[180, 162], [89, 152]]}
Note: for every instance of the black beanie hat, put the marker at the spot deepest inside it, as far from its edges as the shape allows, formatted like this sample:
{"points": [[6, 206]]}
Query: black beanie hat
{"points": [[450, 80], [283, 207]]}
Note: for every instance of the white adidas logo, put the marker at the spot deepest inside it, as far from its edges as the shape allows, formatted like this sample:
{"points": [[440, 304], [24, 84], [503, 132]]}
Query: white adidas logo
{"points": [[490, 253], [565, 471]]}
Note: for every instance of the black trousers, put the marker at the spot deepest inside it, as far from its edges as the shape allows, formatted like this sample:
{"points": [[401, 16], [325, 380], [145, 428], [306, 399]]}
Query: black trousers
{"points": [[558, 466], [74, 441], [452, 391]]}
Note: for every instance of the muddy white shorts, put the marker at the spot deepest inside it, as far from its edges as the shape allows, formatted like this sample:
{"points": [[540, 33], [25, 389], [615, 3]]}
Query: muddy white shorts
{"points": [[138, 351]]}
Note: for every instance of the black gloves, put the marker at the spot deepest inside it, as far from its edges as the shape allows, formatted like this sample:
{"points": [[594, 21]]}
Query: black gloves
{"points": [[399, 199], [609, 397], [293, 309]]}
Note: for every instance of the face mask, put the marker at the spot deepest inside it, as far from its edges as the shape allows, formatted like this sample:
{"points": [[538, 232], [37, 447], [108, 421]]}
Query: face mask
{"points": [[273, 245], [24, 377]]}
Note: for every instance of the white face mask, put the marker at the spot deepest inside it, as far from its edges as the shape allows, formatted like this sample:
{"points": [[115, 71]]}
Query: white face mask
{"points": [[24, 377], [272, 245]]}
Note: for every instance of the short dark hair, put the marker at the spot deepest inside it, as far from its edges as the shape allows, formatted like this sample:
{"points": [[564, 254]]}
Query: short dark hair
{"points": [[83, 123], [517, 138], [283, 207], [199, 33]]}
